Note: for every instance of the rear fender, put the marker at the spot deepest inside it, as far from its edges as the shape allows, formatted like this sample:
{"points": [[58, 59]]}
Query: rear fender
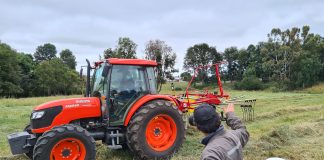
{"points": [[144, 100]]}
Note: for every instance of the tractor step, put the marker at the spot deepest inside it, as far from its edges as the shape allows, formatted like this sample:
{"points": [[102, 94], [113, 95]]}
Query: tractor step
{"points": [[114, 139], [115, 146]]}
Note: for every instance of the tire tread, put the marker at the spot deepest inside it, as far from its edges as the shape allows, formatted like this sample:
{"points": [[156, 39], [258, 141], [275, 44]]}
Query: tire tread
{"points": [[134, 125], [50, 136]]}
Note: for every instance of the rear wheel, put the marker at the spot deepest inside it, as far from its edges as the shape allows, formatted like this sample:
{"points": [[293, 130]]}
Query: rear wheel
{"points": [[156, 131], [69, 142]]}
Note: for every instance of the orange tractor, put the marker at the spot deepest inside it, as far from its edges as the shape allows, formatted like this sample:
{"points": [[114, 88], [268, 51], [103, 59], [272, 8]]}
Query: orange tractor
{"points": [[121, 108]]}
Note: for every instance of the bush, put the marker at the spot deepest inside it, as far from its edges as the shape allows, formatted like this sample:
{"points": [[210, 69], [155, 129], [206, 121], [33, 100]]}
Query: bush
{"points": [[249, 83], [178, 89]]}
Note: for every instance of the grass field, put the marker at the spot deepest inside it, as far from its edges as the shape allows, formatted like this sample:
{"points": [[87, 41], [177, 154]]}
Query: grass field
{"points": [[287, 125]]}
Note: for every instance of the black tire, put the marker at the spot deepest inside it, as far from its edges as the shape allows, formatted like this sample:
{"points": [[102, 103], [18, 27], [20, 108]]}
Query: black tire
{"points": [[136, 130], [49, 139], [30, 153]]}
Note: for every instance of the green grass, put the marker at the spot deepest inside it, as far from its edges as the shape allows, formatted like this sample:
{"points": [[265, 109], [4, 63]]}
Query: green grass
{"points": [[287, 124]]}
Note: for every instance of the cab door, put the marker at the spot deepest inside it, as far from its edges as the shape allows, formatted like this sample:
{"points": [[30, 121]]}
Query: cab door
{"points": [[127, 84]]}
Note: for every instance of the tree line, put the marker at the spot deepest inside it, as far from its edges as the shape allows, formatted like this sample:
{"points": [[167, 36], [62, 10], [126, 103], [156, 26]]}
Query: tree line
{"points": [[40, 74], [44, 73], [289, 59]]}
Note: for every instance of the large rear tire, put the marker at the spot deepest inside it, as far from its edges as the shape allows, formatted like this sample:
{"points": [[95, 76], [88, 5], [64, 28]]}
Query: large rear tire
{"points": [[156, 131], [65, 142]]}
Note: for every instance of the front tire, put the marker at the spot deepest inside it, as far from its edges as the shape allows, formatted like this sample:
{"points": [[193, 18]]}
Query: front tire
{"points": [[156, 131], [65, 142]]}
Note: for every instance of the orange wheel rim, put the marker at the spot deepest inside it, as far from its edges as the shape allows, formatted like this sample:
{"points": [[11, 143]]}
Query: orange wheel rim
{"points": [[161, 132], [68, 149]]}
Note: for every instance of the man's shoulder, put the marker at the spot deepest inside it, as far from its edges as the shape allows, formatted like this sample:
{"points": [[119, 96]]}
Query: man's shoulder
{"points": [[217, 140], [212, 152], [216, 144], [223, 142]]}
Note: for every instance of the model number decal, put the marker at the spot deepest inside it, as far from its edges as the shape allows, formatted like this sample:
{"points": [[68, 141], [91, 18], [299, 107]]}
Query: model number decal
{"points": [[82, 101], [72, 105]]}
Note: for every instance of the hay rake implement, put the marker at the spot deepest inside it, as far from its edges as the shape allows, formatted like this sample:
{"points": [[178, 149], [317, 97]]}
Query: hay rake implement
{"points": [[190, 100], [247, 107]]}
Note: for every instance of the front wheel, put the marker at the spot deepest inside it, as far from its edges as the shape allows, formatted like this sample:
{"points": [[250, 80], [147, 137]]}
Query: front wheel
{"points": [[156, 131], [69, 142]]}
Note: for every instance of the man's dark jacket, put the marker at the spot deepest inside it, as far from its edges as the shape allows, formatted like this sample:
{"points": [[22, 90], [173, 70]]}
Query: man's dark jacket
{"points": [[226, 144]]}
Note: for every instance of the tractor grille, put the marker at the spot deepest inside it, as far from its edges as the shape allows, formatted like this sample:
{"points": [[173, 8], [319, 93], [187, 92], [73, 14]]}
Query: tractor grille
{"points": [[47, 119]]}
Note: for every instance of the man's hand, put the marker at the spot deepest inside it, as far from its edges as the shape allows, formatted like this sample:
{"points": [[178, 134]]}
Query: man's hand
{"points": [[229, 108]]}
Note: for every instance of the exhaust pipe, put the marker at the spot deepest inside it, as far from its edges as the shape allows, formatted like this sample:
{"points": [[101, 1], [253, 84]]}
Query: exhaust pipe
{"points": [[87, 94]]}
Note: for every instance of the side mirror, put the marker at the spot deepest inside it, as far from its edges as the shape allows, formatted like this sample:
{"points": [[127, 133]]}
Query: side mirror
{"points": [[81, 72], [105, 71]]}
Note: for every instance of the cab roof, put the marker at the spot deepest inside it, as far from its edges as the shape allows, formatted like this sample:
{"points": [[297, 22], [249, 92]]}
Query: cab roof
{"points": [[120, 61]]}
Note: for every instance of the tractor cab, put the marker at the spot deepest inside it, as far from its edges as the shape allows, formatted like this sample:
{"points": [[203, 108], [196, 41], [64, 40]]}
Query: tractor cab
{"points": [[119, 85]]}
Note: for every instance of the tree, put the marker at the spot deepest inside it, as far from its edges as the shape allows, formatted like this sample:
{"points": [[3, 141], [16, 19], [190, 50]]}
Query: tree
{"points": [[109, 53], [231, 56], [45, 52], [201, 55], [306, 71], [249, 81], [255, 59], [68, 58], [243, 60], [20, 76], [314, 44], [163, 54], [9, 72], [27, 66], [185, 76], [321, 51], [291, 57], [54, 77], [125, 48]]}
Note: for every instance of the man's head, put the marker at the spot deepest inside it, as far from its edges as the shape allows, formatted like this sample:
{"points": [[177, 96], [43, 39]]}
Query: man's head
{"points": [[206, 118]]}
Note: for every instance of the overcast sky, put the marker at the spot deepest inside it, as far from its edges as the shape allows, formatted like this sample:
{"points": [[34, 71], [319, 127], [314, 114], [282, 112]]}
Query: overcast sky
{"points": [[89, 27]]}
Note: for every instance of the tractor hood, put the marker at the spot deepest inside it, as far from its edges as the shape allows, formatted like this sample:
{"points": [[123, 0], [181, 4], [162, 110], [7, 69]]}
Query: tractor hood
{"points": [[59, 112], [71, 103]]}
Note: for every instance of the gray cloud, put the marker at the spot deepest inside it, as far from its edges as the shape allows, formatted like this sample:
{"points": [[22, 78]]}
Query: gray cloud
{"points": [[89, 27]]}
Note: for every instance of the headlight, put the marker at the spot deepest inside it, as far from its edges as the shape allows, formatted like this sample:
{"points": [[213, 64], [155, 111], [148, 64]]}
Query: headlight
{"points": [[37, 115]]}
